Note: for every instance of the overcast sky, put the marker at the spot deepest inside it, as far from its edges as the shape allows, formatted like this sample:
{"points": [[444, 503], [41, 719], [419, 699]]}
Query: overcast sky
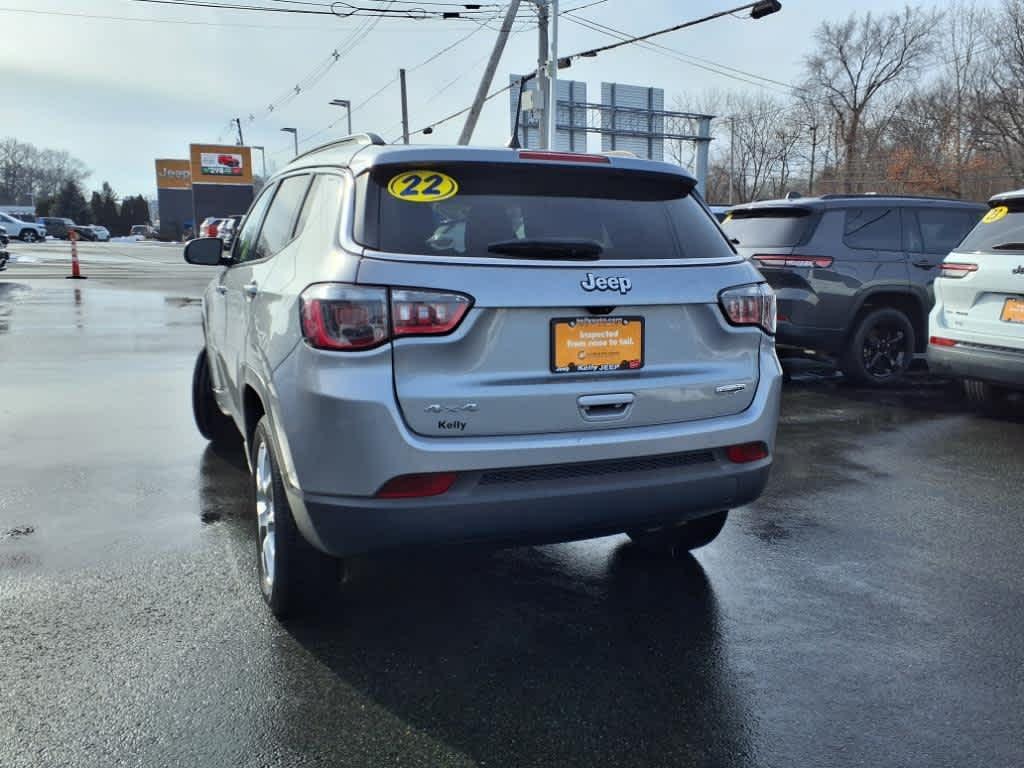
{"points": [[119, 92]]}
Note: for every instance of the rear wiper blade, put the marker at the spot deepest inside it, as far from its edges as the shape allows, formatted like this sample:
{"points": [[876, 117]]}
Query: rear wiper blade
{"points": [[1008, 247], [573, 250]]}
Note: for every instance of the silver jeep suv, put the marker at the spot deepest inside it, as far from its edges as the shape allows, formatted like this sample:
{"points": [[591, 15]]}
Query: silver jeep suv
{"points": [[430, 344]]}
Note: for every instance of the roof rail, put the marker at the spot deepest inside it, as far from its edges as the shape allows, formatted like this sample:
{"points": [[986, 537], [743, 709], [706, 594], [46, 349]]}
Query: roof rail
{"points": [[848, 195], [362, 139]]}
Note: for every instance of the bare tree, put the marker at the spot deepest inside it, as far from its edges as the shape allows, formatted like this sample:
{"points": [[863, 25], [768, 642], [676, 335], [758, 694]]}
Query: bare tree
{"points": [[857, 59], [28, 173]]}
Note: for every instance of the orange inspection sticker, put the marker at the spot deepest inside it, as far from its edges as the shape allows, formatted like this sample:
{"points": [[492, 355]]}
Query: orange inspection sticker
{"points": [[591, 344]]}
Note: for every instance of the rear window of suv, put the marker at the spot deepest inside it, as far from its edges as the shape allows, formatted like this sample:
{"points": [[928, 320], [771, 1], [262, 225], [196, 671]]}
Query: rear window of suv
{"points": [[1001, 229], [628, 214], [774, 227]]}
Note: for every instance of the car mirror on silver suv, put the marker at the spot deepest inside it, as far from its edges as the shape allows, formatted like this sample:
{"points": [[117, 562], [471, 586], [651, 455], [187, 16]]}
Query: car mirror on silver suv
{"points": [[205, 251]]}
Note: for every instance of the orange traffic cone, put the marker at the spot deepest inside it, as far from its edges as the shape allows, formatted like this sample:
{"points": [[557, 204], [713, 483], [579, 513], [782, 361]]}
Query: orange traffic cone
{"points": [[76, 270]]}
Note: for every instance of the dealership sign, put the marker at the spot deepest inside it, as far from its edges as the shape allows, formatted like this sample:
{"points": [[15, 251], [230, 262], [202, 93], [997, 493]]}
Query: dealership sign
{"points": [[173, 174], [220, 164]]}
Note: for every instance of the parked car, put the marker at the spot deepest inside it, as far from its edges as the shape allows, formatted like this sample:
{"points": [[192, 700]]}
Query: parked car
{"points": [[4, 240], [28, 231], [853, 273], [102, 233], [143, 230], [977, 325], [719, 211], [228, 229], [210, 226], [57, 227], [595, 358], [84, 231]]}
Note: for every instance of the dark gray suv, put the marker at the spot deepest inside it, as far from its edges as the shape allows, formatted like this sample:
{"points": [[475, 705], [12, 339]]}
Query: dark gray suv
{"points": [[853, 273]]}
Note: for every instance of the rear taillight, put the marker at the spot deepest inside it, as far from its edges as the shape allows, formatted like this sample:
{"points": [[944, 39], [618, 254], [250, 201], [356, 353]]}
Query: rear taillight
{"points": [[750, 305], [772, 260], [746, 453], [956, 270], [351, 317], [426, 313], [939, 341], [345, 317], [417, 486]]}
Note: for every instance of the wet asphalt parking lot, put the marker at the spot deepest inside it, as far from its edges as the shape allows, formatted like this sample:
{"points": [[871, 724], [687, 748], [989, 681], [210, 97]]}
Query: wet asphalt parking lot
{"points": [[867, 611]]}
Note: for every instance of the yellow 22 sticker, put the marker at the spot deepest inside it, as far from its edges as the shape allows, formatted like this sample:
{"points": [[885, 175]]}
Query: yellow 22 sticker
{"points": [[422, 186], [995, 214]]}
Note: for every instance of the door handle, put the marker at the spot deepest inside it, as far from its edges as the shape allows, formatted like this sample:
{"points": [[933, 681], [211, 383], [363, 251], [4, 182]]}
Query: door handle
{"points": [[251, 288], [923, 264], [222, 289]]}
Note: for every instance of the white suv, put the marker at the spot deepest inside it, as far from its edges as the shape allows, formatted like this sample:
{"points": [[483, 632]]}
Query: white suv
{"points": [[977, 325], [29, 231]]}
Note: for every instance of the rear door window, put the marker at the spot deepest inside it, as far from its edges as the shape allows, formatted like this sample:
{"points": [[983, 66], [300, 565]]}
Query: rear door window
{"points": [[941, 230], [874, 228], [625, 214], [279, 226], [773, 227], [1001, 229]]}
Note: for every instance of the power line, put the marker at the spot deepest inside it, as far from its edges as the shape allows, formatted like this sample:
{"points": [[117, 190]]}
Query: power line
{"points": [[337, 9], [101, 17]]}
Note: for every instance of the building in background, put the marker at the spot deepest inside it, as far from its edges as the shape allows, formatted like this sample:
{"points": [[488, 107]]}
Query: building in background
{"points": [[174, 197]]}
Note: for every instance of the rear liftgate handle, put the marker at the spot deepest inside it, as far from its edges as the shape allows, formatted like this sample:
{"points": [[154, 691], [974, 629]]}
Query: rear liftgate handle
{"points": [[605, 407]]}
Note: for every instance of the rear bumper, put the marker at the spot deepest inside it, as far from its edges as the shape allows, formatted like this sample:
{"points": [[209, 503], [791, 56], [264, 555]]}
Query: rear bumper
{"points": [[521, 513], [495, 499], [1002, 366]]}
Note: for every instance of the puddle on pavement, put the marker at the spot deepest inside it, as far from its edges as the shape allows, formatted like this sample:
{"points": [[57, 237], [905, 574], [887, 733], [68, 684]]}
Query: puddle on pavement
{"points": [[183, 301], [18, 532]]}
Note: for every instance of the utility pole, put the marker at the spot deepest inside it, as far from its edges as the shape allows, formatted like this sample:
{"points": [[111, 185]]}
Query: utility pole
{"points": [[485, 81], [543, 52], [551, 107], [238, 121], [405, 109], [732, 158], [814, 147]]}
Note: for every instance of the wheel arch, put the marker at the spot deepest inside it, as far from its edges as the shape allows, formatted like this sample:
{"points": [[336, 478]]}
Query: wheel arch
{"points": [[903, 300]]}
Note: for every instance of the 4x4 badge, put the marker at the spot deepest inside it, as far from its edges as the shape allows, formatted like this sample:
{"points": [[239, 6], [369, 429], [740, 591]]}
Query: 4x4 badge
{"points": [[621, 284]]}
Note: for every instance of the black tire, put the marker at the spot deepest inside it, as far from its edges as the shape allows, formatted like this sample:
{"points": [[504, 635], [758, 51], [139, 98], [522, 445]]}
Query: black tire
{"points": [[211, 421], [679, 539], [881, 349], [983, 396], [297, 577], [28, 235]]}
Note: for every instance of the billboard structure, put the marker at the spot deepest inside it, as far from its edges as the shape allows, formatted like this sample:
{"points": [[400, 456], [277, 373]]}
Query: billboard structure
{"points": [[222, 180], [174, 196], [630, 118], [571, 133], [633, 119]]}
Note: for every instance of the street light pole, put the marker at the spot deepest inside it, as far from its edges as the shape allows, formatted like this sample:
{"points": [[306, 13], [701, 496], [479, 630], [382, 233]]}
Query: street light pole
{"points": [[348, 109], [295, 135], [263, 157]]}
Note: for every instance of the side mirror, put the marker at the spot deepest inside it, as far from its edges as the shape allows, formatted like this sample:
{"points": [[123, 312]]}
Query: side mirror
{"points": [[205, 251]]}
